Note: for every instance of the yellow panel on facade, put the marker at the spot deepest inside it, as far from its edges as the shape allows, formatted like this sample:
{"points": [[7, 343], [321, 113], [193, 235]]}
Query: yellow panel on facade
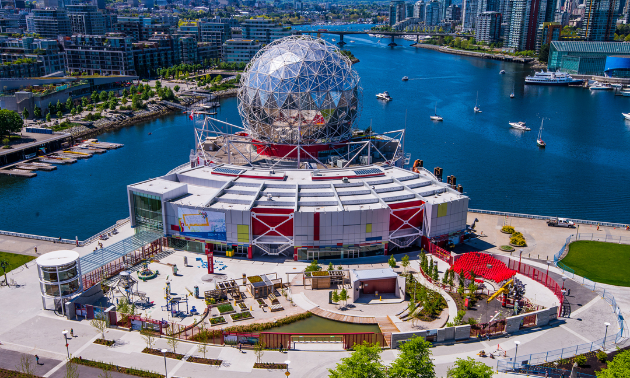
{"points": [[243, 238], [242, 229], [368, 227], [442, 209]]}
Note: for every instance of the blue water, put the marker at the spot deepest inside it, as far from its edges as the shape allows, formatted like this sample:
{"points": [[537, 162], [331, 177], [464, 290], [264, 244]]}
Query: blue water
{"points": [[584, 172]]}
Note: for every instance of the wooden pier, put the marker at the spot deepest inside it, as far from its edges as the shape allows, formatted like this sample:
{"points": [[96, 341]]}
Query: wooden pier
{"points": [[18, 172]]}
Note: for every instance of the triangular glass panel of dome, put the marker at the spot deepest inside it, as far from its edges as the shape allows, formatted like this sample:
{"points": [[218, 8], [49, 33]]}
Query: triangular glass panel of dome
{"points": [[336, 95], [317, 99], [263, 96], [281, 98], [256, 100], [251, 92], [328, 102]]}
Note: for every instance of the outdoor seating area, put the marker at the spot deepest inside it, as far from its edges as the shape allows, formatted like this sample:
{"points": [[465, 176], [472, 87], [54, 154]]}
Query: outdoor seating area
{"points": [[482, 265]]}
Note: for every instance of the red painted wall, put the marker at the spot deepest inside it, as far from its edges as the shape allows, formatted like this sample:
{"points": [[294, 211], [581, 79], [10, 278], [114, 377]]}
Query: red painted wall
{"points": [[406, 211], [386, 285]]}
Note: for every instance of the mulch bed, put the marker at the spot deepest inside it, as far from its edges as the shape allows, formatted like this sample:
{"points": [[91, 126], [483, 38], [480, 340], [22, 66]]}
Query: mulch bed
{"points": [[177, 356], [270, 365], [591, 366], [116, 368], [14, 374], [104, 342]]}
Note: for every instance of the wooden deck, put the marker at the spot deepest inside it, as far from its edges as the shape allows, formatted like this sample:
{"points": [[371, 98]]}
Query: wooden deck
{"points": [[343, 318], [387, 327]]}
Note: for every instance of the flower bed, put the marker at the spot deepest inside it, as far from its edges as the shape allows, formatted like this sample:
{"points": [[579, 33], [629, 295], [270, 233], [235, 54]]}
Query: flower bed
{"points": [[225, 308], [507, 229], [14, 374], [119, 369], [104, 342], [218, 320], [254, 279], [270, 365], [241, 316], [242, 306], [206, 361], [261, 302]]}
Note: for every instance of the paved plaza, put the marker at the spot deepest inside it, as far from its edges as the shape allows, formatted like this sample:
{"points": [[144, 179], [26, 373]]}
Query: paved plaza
{"points": [[30, 330]]}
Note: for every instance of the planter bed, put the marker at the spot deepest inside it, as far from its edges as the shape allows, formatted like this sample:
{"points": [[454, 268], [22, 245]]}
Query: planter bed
{"points": [[109, 367], [261, 302], [270, 365], [104, 342], [518, 246], [506, 248], [241, 316], [157, 352], [242, 306], [205, 361], [217, 321], [226, 309]]}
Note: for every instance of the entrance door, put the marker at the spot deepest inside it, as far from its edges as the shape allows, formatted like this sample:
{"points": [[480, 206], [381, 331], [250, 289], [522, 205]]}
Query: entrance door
{"points": [[312, 254], [351, 253]]}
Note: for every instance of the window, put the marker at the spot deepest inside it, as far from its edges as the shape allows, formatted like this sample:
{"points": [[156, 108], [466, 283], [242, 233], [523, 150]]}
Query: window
{"points": [[147, 211]]}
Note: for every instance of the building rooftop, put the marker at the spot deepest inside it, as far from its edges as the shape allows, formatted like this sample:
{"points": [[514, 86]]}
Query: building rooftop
{"points": [[372, 274]]}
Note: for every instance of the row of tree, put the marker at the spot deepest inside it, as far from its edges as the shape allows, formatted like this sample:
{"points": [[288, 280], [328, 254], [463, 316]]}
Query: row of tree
{"points": [[413, 361]]}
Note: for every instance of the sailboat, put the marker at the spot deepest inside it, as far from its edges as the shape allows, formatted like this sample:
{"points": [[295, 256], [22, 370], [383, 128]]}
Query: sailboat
{"points": [[477, 109], [512, 94], [436, 117], [541, 143]]}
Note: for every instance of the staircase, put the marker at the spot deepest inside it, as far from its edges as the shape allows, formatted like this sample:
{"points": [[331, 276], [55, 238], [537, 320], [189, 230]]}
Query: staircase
{"points": [[274, 251], [387, 327]]}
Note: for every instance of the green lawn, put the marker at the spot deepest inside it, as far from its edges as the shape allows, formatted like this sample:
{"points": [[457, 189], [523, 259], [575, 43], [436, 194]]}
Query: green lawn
{"points": [[14, 260], [600, 262]]}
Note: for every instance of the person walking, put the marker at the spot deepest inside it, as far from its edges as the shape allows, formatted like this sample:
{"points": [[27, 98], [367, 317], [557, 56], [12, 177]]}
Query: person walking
{"points": [[37, 359], [72, 332], [35, 250], [240, 347], [280, 347]]}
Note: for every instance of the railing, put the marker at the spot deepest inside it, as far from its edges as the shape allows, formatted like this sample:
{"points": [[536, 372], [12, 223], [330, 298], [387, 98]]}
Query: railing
{"points": [[104, 232], [546, 217], [38, 237], [609, 342], [548, 372]]}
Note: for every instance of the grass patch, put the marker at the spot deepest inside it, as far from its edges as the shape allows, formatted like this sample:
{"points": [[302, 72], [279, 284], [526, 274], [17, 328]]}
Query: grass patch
{"points": [[225, 308], [15, 260], [600, 262]]}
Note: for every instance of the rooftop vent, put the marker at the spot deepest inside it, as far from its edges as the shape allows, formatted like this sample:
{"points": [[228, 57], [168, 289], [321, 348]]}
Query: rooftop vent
{"points": [[345, 180]]}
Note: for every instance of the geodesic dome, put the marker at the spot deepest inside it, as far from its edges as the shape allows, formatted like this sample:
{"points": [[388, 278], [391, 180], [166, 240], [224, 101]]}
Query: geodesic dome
{"points": [[299, 89]]}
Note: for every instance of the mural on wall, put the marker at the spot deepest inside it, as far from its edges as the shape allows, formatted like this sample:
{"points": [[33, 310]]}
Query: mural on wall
{"points": [[202, 224]]}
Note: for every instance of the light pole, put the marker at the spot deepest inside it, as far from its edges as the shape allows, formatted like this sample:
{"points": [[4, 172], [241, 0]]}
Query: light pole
{"points": [[605, 334], [520, 255], [65, 338], [563, 279], [165, 369], [287, 372], [516, 352], [548, 263]]}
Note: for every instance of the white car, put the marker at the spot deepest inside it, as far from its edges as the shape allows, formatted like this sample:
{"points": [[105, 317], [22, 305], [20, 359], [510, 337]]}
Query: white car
{"points": [[560, 222]]}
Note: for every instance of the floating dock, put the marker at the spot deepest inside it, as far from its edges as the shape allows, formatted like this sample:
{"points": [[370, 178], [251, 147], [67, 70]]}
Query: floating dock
{"points": [[18, 172], [57, 160], [36, 167]]}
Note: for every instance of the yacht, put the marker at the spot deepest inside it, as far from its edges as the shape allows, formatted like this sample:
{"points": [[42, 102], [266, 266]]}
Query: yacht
{"points": [[597, 86], [626, 116], [477, 109], [501, 72], [519, 126], [539, 141], [436, 117], [405, 78], [384, 96], [512, 94], [551, 78], [618, 86]]}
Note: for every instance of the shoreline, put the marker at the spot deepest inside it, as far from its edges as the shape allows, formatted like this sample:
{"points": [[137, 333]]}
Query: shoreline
{"points": [[475, 54]]}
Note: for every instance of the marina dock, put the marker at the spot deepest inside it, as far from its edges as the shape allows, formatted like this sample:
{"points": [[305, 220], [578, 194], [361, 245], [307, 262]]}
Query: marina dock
{"points": [[68, 155]]}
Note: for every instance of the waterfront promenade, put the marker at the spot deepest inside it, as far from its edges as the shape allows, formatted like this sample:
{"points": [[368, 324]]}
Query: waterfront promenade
{"points": [[29, 329]]}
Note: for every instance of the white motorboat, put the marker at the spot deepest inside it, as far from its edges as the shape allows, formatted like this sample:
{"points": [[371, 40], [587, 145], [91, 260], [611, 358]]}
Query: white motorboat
{"points": [[597, 86], [405, 78], [501, 72], [551, 78], [477, 109], [519, 126], [436, 117], [384, 96], [512, 94], [618, 86], [626, 116]]}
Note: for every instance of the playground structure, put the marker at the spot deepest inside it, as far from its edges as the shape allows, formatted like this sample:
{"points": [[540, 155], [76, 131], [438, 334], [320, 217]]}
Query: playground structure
{"points": [[145, 273], [173, 302]]}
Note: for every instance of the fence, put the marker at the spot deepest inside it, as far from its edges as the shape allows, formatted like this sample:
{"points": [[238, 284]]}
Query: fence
{"points": [[540, 277], [546, 217], [92, 278], [549, 372], [609, 342]]}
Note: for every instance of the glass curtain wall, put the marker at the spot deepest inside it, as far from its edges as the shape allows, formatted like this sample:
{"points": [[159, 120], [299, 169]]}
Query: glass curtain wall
{"points": [[147, 210]]}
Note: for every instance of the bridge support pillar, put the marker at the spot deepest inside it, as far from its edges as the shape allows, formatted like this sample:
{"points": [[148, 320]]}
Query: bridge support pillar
{"points": [[341, 42], [392, 43]]}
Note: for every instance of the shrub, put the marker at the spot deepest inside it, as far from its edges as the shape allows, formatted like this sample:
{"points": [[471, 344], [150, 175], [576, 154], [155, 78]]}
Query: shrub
{"points": [[508, 229], [518, 239], [602, 356], [580, 360]]}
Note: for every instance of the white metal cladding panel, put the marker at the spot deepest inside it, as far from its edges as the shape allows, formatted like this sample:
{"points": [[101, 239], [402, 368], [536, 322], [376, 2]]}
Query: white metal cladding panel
{"points": [[175, 192], [170, 210]]}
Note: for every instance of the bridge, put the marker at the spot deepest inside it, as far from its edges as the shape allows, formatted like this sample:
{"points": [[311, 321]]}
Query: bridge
{"points": [[392, 34]]}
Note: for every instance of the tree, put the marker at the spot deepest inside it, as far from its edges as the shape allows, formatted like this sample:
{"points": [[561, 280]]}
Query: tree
{"points": [[71, 370], [48, 117], [69, 104], [392, 262], [435, 275], [544, 53], [10, 122], [26, 365], [202, 347], [335, 296], [158, 85], [136, 102], [176, 88], [37, 112], [343, 295], [94, 97], [414, 360], [149, 337], [101, 323], [59, 114], [364, 362], [102, 96], [313, 267], [259, 350], [617, 368], [172, 339], [405, 262], [330, 266], [25, 113], [470, 368]]}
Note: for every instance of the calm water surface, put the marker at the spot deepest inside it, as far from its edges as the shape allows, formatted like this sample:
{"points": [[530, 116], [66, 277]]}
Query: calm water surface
{"points": [[584, 172]]}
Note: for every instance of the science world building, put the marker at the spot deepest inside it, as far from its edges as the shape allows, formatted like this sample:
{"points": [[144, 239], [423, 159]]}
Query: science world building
{"points": [[298, 178]]}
